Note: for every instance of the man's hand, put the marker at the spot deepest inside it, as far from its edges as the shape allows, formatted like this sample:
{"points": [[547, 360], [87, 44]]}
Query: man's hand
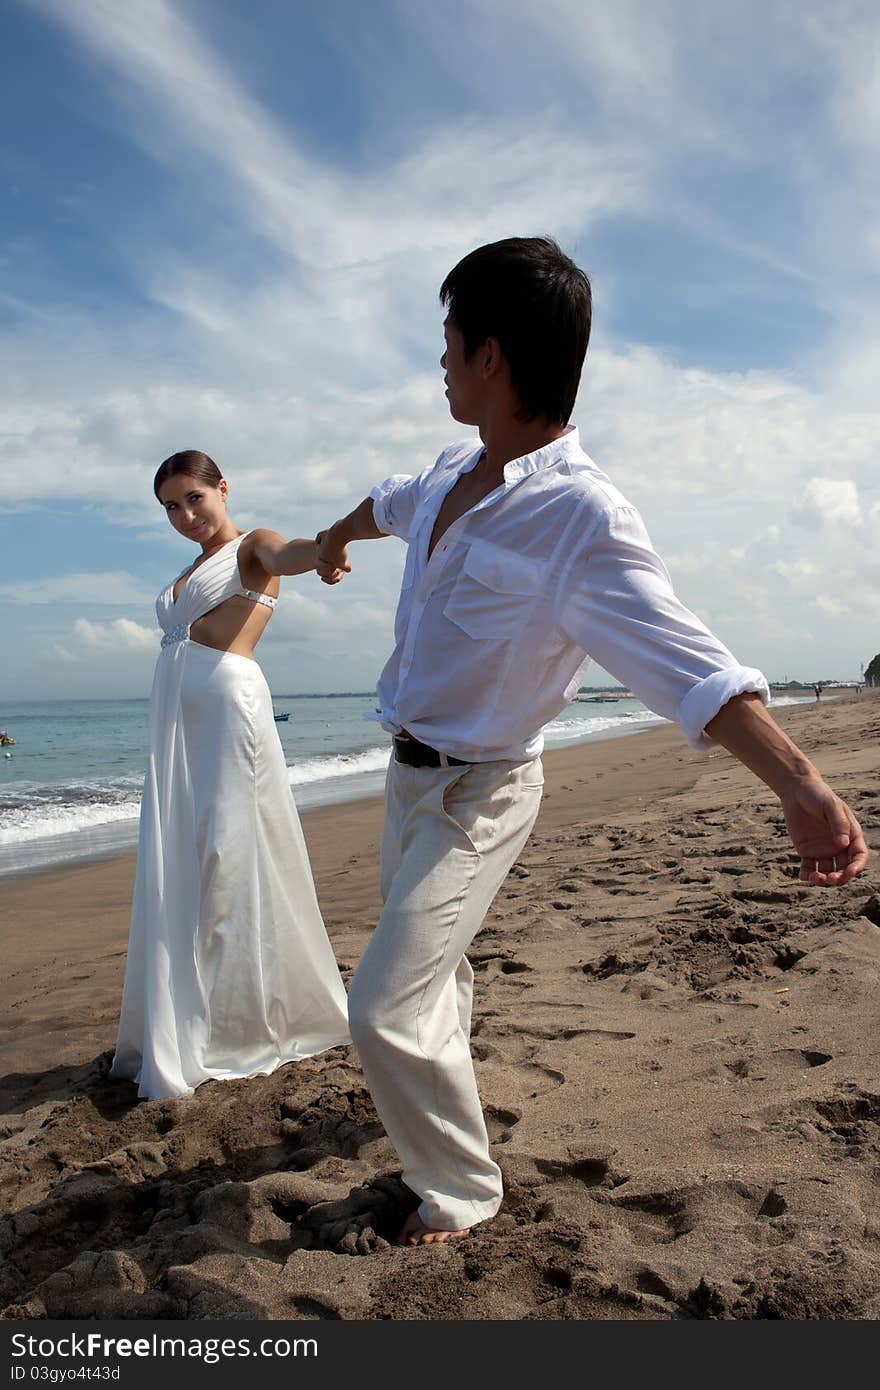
{"points": [[823, 829], [824, 832], [359, 525], [332, 564]]}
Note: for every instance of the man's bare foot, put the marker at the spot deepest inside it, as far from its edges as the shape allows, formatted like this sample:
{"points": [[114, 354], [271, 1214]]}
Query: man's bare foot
{"points": [[415, 1232]]}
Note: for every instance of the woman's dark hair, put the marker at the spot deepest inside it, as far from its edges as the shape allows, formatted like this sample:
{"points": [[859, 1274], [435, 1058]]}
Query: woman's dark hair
{"points": [[528, 294], [192, 464]]}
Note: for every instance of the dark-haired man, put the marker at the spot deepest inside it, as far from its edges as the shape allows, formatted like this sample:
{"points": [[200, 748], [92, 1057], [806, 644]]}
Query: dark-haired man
{"points": [[523, 562]]}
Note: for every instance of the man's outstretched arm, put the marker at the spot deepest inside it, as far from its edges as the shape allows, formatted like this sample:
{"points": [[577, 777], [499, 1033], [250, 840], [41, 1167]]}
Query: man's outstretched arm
{"points": [[617, 603], [823, 829], [359, 525]]}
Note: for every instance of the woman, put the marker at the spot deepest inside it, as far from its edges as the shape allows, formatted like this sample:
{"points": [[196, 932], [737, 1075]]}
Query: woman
{"points": [[229, 971]]}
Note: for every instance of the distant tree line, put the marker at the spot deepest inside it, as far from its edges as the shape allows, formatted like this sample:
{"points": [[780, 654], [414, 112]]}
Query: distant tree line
{"points": [[872, 673]]}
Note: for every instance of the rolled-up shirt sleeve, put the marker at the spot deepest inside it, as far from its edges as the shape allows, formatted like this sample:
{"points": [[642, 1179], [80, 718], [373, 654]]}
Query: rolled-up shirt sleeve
{"points": [[394, 504], [616, 602]]}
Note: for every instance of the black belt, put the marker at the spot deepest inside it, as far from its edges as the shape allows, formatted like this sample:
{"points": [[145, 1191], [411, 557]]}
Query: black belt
{"points": [[414, 753]]}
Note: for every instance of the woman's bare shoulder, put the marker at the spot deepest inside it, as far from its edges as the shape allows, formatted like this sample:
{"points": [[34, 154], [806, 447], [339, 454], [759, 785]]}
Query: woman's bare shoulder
{"points": [[260, 538], [256, 551]]}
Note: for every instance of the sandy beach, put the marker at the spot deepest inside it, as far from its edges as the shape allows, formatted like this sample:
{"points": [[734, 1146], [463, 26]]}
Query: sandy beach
{"points": [[675, 1041]]}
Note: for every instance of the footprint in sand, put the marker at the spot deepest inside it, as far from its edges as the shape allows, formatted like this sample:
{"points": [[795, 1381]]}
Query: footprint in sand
{"points": [[501, 1030], [480, 959], [651, 1218], [515, 967], [777, 1064], [587, 1169], [500, 1123], [853, 1120], [769, 895], [367, 1220], [612, 964]]}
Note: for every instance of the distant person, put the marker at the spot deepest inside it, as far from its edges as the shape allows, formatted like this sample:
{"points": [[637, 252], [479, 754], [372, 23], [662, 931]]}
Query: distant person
{"points": [[818, 690], [229, 969], [523, 559]]}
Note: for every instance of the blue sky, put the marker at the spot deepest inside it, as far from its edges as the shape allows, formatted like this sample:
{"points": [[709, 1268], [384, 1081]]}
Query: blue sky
{"points": [[224, 227]]}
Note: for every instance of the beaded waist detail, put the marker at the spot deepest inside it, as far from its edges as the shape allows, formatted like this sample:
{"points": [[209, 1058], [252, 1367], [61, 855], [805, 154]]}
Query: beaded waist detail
{"points": [[177, 634]]}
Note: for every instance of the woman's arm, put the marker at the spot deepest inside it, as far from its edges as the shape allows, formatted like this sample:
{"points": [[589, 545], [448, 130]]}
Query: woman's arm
{"points": [[278, 556]]}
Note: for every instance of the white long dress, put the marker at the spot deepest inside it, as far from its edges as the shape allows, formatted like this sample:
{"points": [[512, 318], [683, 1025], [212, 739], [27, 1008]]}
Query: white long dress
{"points": [[229, 969]]}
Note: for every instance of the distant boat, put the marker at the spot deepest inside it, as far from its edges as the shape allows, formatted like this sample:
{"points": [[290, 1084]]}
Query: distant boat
{"points": [[281, 718]]}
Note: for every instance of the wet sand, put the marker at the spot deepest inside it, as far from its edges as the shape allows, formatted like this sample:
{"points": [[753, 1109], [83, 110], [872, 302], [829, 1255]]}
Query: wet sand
{"points": [[675, 1041]]}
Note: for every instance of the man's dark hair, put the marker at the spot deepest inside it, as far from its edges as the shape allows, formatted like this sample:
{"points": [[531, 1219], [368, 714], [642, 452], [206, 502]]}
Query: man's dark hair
{"points": [[528, 294], [190, 462]]}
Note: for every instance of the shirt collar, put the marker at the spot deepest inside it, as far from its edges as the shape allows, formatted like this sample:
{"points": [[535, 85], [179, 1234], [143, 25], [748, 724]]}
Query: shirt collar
{"points": [[563, 447]]}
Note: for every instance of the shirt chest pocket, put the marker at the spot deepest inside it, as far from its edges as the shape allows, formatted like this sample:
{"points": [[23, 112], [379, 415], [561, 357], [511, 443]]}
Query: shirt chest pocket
{"points": [[494, 593]]}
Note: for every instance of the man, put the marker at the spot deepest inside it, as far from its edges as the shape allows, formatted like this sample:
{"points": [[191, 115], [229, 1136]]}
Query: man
{"points": [[523, 561]]}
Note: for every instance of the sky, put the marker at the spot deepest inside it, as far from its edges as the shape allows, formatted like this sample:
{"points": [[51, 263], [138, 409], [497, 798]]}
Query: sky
{"points": [[224, 227]]}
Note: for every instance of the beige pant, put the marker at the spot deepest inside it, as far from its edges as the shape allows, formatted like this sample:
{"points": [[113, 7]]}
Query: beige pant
{"points": [[451, 835]]}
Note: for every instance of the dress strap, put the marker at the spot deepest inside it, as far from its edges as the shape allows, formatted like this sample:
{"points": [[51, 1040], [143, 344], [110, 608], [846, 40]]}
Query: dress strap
{"points": [[267, 599]]}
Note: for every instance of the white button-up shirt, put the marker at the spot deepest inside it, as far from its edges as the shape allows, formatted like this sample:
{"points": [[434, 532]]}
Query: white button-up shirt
{"points": [[552, 568]]}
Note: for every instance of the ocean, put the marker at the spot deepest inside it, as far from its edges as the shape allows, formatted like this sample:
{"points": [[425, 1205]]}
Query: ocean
{"points": [[71, 788]]}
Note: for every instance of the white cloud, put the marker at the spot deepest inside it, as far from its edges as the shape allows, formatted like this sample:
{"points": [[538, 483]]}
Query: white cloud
{"points": [[831, 607], [795, 570], [111, 587], [723, 465], [350, 252], [301, 618], [828, 502], [121, 635], [184, 103], [305, 373], [282, 450]]}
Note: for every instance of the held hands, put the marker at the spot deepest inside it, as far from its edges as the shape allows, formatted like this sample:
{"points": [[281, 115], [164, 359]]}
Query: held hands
{"points": [[824, 832], [332, 544], [332, 563]]}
